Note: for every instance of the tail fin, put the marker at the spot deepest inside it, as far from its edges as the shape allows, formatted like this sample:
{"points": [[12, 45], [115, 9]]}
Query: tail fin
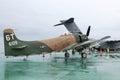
{"points": [[10, 40], [9, 35], [70, 25]]}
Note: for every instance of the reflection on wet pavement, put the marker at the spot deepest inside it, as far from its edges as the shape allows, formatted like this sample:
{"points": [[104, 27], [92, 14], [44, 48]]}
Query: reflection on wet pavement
{"points": [[56, 68]]}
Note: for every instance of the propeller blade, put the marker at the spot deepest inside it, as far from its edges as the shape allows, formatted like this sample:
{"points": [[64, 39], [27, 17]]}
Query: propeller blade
{"points": [[88, 31]]}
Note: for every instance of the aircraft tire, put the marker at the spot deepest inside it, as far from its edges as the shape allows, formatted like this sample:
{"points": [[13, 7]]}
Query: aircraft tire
{"points": [[83, 55], [67, 55]]}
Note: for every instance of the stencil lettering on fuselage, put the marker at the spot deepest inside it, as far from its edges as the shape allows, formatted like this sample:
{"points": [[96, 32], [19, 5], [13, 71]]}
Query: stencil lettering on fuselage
{"points": [[12, 43], [11, 40], [9, 37]]}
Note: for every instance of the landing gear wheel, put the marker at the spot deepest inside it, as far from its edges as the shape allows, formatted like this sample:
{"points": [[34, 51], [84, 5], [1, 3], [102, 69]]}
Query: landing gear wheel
{"points": [[83, 55], [25, 59], [67, 55]]}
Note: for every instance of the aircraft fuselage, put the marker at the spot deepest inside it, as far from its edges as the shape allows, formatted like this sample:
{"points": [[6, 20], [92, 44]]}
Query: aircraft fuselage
{"points": [[16, 47]]}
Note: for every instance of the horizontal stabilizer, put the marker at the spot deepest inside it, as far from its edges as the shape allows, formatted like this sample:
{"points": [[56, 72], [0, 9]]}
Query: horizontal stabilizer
{"points": [[19, 47]]}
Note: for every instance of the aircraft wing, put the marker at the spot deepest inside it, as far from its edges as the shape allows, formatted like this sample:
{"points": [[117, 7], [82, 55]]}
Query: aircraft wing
{"points": [[89, 43]]}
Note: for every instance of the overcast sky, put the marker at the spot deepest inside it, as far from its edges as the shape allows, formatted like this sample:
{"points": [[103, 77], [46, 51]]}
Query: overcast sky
{"points": [[34, 19]]}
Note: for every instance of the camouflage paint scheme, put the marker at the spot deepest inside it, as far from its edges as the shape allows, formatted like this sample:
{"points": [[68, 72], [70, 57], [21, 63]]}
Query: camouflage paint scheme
{"points": [[74, 41], [15, 47]]}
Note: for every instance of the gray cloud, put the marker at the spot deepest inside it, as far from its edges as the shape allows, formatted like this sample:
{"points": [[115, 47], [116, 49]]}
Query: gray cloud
{"points": [[34, 19]]}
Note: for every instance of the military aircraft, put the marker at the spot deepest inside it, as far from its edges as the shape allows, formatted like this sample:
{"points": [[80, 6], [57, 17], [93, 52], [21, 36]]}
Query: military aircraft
{"points": [[75, 41], [111, 45]]}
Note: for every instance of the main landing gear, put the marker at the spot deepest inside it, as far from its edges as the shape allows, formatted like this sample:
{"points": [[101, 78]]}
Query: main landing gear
{"points": [[73, 52], [25, 59], [67, 54], [83, 55]]}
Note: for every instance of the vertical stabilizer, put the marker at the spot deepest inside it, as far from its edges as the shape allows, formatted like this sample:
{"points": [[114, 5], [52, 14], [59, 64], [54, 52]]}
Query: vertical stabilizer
{"points": [[10, 40], [70, 25]]}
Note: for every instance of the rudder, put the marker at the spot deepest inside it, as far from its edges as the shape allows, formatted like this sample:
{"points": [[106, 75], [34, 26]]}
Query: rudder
{"points": [[10, 40]]}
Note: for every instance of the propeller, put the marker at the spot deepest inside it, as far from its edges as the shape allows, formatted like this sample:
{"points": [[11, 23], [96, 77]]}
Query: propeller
{"points": [[88, 31]]}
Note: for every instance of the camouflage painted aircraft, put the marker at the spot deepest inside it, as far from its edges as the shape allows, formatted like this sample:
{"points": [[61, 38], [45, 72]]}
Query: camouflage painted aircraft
{"points": [[75, 41]]}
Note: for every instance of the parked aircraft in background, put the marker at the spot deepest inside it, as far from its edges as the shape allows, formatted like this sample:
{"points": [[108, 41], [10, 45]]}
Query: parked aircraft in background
{"points": [[112, 45], [75, 41]]}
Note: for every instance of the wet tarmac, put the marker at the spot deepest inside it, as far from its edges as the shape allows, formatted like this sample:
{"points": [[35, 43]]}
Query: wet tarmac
{"points": [[54, 67]]}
